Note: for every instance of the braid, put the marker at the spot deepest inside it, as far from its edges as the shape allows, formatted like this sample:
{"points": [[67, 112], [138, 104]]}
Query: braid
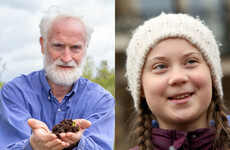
{"points": [[219, 116], [144, 129], [142, 126]]}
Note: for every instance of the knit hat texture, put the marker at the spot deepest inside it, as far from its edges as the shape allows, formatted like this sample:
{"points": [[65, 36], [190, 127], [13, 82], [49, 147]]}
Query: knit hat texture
{"points": [[164, 26]]}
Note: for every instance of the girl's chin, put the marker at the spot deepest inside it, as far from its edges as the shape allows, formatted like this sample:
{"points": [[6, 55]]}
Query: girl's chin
{"points": [[182, 119]]}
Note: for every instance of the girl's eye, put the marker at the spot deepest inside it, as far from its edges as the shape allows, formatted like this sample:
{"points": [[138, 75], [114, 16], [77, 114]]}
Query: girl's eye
{"points": [[191, 62], [159, 68]]}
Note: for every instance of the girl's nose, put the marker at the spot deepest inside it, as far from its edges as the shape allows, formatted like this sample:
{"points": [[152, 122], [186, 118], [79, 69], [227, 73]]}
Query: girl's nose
{"points": [[178, 77], [66, 55]]}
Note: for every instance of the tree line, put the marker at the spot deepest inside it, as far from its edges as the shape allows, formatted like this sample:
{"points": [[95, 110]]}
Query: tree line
{"points": [[103, 75]]}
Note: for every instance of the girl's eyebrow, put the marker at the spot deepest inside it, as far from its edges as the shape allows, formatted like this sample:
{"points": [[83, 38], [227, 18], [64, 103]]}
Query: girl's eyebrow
{"points": [[159, 57], [192, 53], [151, 60]]}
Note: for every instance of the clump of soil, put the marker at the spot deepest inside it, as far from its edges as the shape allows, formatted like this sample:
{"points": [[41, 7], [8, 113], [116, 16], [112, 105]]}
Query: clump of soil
{"points": [[66, 125]]}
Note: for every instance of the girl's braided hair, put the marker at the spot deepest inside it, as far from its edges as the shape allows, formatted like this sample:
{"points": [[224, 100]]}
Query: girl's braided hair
{"points": [[142, 127], [218, 111]]}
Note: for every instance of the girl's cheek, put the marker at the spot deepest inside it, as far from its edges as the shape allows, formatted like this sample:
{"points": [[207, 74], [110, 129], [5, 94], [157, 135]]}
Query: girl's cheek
{"points": [[202, 78], [154, 86]]}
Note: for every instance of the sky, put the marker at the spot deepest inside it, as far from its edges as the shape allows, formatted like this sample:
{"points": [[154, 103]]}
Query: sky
{"points": [[19, 32]]}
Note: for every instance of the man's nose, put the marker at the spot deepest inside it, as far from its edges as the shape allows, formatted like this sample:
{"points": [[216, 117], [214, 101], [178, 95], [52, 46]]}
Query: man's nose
{"points": [[66, 55], [178, 77]]}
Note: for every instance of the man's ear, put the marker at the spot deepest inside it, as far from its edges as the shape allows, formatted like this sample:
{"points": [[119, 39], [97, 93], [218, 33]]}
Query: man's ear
{"points": [[42, 45]]}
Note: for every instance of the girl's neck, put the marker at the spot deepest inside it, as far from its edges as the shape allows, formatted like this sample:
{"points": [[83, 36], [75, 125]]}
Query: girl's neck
{"points": [[187, 126]]}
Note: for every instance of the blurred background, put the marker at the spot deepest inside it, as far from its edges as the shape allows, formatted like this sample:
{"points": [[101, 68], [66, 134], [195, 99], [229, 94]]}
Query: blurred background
{"points": [[129, 14]]}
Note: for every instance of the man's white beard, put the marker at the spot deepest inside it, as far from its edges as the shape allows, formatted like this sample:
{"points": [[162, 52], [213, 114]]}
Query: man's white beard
{"points": [[63, 77]]}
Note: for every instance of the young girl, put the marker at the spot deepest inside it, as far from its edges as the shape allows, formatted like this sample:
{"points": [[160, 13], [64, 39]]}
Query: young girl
{"points": [[174, 76]]}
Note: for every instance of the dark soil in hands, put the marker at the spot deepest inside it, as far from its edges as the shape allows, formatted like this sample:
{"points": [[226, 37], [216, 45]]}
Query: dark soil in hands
{"points": [[66, 125]]}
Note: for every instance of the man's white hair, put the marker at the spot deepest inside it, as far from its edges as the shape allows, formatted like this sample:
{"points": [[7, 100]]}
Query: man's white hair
{"points": [[54, 12]]}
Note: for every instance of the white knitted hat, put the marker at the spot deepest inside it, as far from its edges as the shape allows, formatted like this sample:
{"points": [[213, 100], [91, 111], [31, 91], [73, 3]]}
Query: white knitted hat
{"points": [[164, 26]]}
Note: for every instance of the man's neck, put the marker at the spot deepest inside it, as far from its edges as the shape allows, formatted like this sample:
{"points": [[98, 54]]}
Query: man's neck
{"points": [[59, 91]]}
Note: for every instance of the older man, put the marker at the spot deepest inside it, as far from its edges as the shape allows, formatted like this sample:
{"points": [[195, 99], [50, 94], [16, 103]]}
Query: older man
{"points": [[57, 92]]}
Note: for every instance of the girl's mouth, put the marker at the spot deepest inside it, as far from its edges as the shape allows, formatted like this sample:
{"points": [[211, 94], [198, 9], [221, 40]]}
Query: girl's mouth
{"points": [[180, 97]]}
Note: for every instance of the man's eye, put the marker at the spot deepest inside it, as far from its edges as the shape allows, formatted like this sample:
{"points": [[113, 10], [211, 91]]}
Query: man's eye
{"points": [[58, 45], [76, 47]]}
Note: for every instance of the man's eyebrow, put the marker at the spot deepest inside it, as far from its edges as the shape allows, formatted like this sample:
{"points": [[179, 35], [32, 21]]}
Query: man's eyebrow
{"points": [[78, 44], [55, 42]]}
